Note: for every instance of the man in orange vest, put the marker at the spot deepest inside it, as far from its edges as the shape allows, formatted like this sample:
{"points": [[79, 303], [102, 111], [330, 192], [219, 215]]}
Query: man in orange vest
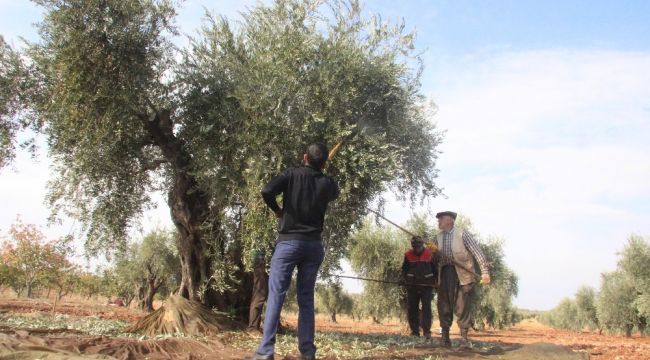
{"points": [[419, 274]]}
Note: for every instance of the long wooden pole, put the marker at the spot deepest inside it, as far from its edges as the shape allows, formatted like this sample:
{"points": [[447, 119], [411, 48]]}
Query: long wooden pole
{"points": [[442, 255]]}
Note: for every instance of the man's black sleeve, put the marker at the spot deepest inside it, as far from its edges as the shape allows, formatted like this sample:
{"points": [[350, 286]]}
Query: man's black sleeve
{"points": [[275, 187], [405, 267], [434, 269], [336, 191]]}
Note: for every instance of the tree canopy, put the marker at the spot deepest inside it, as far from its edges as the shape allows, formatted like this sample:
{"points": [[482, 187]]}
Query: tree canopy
{"points": [[126, 114]]}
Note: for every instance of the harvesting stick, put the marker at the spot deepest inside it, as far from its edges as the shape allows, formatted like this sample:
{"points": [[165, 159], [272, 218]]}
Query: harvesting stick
{"points": [[430, 245], [383, 281], [390, 222], [335, 149]]}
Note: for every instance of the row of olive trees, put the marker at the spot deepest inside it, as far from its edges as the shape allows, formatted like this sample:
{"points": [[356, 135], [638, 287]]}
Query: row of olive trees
{"points": [[377, 252], [623, 302], [33, 266]]}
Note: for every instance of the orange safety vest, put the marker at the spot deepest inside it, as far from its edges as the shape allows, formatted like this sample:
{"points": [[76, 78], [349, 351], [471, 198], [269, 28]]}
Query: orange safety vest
{"points": [[419, 267]]}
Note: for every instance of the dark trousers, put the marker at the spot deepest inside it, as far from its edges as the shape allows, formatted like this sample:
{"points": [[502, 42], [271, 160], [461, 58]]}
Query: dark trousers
{"points": [[454, 298], [307, 257], [416, 295], [260, 291]]}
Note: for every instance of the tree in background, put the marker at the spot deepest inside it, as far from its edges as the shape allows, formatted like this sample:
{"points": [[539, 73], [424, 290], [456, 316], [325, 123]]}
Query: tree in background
{"points": [[635, 262], [59, 273], [586, 308], [493, 306], [377, 252], [357, 312], [334, 299], [126, 116], [26, 252], [159, 265], [29, 262], [123, 278], [9, 275], [144, 269], [88, 284], [563, 316], [616, 303]]}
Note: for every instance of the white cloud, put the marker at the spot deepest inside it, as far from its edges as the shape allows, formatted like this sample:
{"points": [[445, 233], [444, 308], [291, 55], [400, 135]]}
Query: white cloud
{"points": [[549, 149]]}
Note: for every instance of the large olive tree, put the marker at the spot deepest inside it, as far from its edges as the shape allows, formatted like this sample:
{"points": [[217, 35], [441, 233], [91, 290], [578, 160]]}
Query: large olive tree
{"points": [[127, 114]]}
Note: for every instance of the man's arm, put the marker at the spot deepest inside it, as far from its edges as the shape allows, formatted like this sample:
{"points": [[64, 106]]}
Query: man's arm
{"points": [[405, 268], [336, 191], [476, 251], [435, 250], [275, 187]]}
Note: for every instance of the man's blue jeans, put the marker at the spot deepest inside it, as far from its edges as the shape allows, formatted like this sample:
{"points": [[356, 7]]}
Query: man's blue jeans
{"points": [[307, 257]]}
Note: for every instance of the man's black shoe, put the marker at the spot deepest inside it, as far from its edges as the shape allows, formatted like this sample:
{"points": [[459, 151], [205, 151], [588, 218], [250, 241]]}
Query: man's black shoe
{"points": [[257, 356], [445, 341], [307, 357]]}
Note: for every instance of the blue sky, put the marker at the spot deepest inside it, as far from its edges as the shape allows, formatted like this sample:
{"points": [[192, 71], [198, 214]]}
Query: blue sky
{"points": [[547, 112]]}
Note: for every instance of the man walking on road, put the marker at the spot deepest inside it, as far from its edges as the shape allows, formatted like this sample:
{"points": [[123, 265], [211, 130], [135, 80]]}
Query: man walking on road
{"points": [[455, 294], [306, 192], [419, 274]]}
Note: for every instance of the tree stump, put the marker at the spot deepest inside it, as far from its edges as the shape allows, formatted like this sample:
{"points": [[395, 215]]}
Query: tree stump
{"points": [[181, 316]]}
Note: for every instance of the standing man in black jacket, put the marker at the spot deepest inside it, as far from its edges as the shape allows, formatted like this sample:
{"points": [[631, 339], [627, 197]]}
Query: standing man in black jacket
{"points": [[306, 191]]}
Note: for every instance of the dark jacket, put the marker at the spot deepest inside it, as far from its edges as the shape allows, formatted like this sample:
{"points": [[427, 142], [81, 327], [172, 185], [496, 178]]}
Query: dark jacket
{"points": [[306, 191], [419, 269]]}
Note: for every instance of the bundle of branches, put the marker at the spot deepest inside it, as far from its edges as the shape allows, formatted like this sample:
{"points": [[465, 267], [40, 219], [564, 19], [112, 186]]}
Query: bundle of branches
{"points": [[181, 316]]}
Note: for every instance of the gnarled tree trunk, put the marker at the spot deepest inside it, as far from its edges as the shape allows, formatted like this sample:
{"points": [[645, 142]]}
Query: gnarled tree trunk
{"points": [[152, 289], [190, 212], [188, 205]]}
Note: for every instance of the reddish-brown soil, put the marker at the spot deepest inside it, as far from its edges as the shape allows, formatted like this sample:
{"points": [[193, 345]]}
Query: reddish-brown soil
{"points": [[77, 307], [519, 342]]}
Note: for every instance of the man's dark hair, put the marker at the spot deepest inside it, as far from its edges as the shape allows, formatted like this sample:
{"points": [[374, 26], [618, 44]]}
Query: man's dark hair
{"points": [[317, 154]]}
